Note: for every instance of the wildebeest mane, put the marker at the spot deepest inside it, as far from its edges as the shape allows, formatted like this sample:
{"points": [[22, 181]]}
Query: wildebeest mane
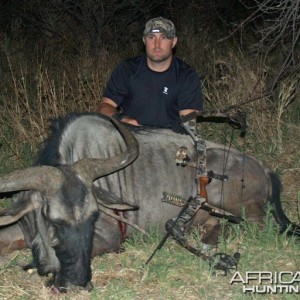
{"points": [[49, 155]]}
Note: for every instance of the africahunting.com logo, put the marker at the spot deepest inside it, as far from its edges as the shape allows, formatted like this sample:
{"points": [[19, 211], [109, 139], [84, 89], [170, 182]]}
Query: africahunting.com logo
{"points": [[265, 282]]}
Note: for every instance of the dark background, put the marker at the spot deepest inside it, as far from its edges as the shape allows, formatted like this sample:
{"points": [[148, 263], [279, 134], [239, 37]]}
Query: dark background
{"points": [[73, 27]]}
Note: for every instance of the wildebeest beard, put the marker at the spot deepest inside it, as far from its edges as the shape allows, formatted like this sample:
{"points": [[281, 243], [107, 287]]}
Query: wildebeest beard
{"points": [[74, 253]]}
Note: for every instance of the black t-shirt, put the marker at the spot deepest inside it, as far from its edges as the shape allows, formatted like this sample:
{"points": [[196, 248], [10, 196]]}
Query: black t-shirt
{"points": [[154, 98]]}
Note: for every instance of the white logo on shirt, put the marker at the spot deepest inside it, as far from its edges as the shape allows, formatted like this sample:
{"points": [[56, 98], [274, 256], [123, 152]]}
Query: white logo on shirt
{"points": [[165, 90]]}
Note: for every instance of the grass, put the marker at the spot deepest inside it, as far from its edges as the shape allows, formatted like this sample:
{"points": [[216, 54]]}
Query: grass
{"points": [[173, 273]]}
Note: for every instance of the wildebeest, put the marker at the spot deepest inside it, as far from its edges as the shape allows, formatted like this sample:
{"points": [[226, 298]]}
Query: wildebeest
{"points": [[86, 168]]}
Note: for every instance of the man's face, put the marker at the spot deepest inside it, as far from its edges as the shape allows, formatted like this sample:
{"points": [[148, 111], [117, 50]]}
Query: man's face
{"points": [[158, 46]]}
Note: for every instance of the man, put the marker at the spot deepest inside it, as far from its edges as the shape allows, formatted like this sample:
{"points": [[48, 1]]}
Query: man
{"points": [[156, 88]]}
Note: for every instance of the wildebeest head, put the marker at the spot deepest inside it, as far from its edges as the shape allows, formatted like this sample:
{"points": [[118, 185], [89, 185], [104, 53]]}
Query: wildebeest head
{"points": [[60, 204]]}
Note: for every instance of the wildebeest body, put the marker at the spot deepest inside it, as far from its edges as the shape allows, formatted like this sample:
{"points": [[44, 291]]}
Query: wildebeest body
{"points": [[143, 182], [65, 224]]}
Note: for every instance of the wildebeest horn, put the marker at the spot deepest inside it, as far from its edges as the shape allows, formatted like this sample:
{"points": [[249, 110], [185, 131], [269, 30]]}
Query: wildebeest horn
{"points": [[89, 169], [45, 179]]}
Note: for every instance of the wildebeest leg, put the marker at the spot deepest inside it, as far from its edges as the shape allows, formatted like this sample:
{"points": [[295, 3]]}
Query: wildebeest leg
{"points": [[255, 212], [210, 228], [107, 236], [11, 239]]}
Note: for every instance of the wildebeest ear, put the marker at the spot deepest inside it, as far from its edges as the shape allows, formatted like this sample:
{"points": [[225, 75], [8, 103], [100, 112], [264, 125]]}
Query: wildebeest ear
{"points": [[110, 200], [20, 208]]}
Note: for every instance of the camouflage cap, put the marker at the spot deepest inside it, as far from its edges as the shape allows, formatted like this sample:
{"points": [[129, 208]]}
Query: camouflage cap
{"points": [[162, 25]]}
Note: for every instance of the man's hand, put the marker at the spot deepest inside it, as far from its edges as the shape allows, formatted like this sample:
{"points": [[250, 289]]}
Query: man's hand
{"points": [[108, 108], [131, 121]]}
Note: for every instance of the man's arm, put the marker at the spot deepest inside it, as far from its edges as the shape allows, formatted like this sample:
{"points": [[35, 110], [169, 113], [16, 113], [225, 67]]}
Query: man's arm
{"points": [[108, 108], [186, 111]]}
